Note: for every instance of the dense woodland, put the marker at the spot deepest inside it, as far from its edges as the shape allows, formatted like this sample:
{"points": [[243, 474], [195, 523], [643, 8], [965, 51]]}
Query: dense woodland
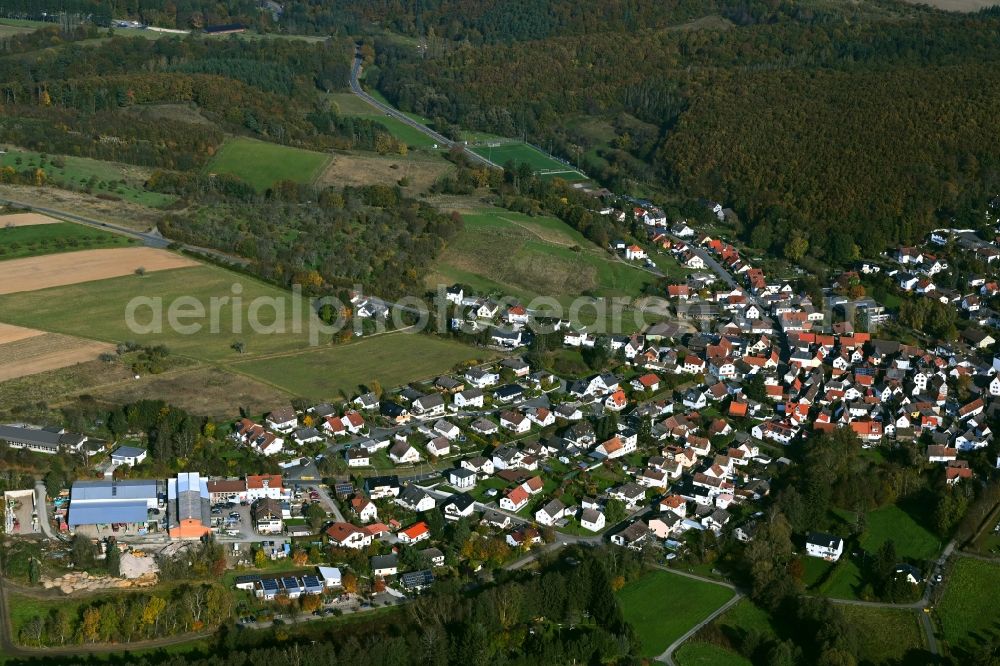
{"points": [[863, 127], [372, 237]]}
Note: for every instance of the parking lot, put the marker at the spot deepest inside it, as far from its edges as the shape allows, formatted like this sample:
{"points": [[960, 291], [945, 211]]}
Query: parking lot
{"points": [[233, 520]]}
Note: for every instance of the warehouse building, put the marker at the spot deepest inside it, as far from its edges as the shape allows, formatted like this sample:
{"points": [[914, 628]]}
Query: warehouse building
{"points": [[188, 509], [124, 507]]}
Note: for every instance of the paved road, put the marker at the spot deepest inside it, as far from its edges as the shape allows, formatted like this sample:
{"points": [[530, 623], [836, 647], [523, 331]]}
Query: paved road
{"points": [[324, 496], [43, 512], [668, 655], [403, 118]]}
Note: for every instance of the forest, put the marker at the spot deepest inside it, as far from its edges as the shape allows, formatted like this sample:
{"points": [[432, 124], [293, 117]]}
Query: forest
{"points": [[863, 127]]}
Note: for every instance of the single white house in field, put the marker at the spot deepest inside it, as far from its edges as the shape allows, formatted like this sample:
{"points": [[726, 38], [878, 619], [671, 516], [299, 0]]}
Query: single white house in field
{"points": [[826, 546]]}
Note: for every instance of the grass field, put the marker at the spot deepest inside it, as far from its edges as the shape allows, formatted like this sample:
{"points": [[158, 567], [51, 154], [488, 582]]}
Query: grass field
{"points": [[745, 620], [10, 27], [522, 153], [661, 606], [42, 239], [391, 359], [968, 610], [92, 176], [705, 654], [874, 625], [263, 164], [541, 257], [352, 105], [97, 310], [910, 538], [421, 170]]}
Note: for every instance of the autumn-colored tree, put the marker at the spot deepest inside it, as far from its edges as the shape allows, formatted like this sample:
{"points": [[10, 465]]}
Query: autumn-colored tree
{"points": [[90, 627], [300, 558], [350, 583], [617, 583], [311, 602], [260, 559]]}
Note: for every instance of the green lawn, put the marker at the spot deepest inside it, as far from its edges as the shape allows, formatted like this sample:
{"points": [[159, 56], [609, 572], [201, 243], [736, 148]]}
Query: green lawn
{"points": [[97, 310], [661, 606], [911, 539], [393, 360], [86, 175], [522, 153], [706, 654], [263, 164], [39, 239], [968, 611]]}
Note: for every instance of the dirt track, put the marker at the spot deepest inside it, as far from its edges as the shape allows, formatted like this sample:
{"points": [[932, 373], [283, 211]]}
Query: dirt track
{"points": [[25, 220], [55, 270]]}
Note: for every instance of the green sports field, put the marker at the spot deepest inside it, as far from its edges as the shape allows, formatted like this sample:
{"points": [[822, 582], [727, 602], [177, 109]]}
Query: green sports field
{"points": [[39, 239], [263, 164], [338, 371], [662, 606], [521, 153]]}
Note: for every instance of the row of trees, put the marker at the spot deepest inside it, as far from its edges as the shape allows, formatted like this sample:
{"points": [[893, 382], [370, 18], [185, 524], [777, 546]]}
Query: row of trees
{"points": [[132, 617]]}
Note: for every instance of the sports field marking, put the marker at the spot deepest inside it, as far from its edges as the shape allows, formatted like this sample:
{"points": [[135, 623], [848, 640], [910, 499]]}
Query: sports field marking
{"points": [[56, 270]]}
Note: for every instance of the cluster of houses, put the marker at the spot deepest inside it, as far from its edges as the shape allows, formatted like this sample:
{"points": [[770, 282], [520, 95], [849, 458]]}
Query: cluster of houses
{"points": [[269, 588]]}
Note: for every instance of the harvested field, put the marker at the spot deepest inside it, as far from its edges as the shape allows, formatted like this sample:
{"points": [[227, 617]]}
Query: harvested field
{"points": [[49, 351], [356, 170], [10, 333], [25, 220], [56, 270]]}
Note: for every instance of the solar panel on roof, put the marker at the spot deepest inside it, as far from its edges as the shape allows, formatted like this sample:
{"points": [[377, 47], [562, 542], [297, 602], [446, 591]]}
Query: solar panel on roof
{"points": [[310, 581], [269, 584]]}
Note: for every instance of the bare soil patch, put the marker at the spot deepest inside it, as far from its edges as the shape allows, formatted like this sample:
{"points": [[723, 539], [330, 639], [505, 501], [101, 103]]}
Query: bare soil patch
{"points": [[49, 351], [9, 333], [25, 220], [55, 270], [356, 170]]}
